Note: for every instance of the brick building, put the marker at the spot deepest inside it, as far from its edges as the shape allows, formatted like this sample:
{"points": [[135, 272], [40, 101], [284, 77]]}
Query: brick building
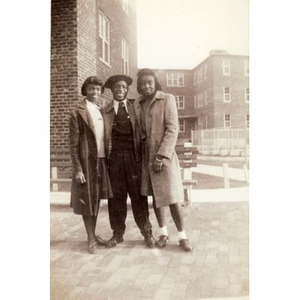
{"points": [[215, 94], [88, 37]]}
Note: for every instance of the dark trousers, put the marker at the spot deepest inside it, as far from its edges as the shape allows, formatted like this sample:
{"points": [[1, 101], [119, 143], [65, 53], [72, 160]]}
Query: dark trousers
{"points": [[125, 177]]}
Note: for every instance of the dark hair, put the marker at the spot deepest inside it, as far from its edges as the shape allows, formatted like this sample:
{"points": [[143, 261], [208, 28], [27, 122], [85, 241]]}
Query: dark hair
{"points": [[150, 72], [92, 80]]}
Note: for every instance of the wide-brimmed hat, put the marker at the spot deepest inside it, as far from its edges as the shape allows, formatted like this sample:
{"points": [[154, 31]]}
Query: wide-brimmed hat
{"points": [[121, 77], [91, 80]]}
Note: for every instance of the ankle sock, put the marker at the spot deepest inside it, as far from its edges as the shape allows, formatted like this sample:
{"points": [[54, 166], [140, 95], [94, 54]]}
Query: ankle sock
{"points": [[181, 235], [163, 230]]}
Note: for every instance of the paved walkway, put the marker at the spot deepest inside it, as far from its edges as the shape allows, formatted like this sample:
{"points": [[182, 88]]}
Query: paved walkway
{"points": [[217, 267]]}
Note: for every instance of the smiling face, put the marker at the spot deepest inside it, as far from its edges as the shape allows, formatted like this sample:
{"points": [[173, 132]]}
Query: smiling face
{"points": [[147, 85], [120, 90], [93, 92]]}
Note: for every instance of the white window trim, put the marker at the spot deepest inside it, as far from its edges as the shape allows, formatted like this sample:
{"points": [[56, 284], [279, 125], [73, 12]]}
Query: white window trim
{"points": [[226, 121], [125, 55], [105, 41], [177, 102], [171, 76], [200, 100], [183, 125], [226, 64], [247, 122], [224, 94], [247, 95]]}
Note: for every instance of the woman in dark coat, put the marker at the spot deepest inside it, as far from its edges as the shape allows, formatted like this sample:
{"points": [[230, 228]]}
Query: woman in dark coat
{"points": [[161, 176], [90, 181]]}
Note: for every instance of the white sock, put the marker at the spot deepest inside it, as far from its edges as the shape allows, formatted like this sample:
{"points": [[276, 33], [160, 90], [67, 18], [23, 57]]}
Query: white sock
{"points": [[181, 235], [163, 230]]}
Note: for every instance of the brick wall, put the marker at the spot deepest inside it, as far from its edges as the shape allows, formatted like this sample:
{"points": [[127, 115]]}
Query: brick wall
{"points": [[64, 69], [75, 55]]}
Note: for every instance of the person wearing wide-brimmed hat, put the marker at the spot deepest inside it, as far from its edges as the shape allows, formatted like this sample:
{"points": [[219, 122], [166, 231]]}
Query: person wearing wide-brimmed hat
{"points": [[90, 180], [123, 150]]}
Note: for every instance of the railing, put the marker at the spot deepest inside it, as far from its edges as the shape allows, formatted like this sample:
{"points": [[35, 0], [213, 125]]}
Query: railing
{"points": [[224, 141]]}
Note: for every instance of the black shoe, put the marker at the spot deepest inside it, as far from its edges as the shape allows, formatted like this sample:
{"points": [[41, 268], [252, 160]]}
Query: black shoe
{"points": [[99, 241], [149, 240], [185, 245], [114, 241], [162, 241]]}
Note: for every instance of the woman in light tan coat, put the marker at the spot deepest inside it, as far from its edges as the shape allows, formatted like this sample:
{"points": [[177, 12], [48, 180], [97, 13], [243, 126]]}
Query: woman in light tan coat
{"points": [[161, 176]]}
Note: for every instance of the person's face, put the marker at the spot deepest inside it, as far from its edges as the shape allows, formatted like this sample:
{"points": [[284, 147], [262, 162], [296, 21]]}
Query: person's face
{"points": [[147, 85], [120, 90], [93, 92]]}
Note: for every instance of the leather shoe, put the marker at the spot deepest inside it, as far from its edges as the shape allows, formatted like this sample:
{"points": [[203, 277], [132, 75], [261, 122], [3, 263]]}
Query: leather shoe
{"points": [[114, 241], [185, 245], [162, 241], [149, 240], [100, 241], [92, 247]]}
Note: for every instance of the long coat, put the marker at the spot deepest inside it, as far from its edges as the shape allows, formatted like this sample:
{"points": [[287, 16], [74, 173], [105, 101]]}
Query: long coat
{"points": [[161, 124], [84, 156], [109, 116]]}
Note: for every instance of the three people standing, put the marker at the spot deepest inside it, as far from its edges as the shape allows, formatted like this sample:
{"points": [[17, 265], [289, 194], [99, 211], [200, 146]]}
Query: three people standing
{"points": [[126, 148]]}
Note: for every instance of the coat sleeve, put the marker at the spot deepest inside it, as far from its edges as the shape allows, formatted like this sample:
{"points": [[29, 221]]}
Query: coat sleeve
{"points": [[74, 135], [171, 127]]}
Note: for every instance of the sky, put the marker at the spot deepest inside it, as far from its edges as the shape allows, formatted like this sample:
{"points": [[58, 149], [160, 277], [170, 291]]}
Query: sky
{"points": [[181, 33]]}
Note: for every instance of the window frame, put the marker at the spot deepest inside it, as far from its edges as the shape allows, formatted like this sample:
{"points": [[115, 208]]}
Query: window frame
{"points": [[104, 36], [181, 125], [247, 95], [226, 67], [177, 99], [226, 122], [226, 94], [125, 55], [171, 78]]}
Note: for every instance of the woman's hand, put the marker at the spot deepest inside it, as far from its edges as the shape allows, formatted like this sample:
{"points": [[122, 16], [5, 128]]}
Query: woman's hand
{"points": [[80, 178], [158, 163]]}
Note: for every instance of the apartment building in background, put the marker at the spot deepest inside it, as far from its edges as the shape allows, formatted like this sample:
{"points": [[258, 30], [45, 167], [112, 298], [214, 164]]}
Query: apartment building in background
{"points": [[88, 37], [215, 94], [99, 37]]}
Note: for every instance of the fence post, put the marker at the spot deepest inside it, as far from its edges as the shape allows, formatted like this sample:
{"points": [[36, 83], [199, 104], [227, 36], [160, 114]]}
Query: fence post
{"points": [[54, 176], [226, 176]]}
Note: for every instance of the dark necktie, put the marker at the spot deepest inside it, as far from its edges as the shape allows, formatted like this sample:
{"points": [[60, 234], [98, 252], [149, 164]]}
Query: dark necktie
{"points": [[122, 114]]}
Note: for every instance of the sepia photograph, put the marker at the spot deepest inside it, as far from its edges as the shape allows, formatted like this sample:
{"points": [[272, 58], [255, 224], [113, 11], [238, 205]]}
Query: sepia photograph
{"points": [[149, 149]]}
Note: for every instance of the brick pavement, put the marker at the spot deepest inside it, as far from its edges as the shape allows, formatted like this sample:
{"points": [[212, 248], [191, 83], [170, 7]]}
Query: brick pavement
{"points": [[218, 267]]}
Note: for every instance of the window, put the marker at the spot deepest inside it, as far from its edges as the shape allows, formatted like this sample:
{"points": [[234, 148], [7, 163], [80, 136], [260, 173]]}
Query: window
{"points": [[226, 94], [180, 102], [175, 79], [195, 101], [247, 121], [226, 67], [104, 34], [247, 94], [125, 56], [227, 121], [246, 67], [125, 6], [181, 125], [200, 100]]}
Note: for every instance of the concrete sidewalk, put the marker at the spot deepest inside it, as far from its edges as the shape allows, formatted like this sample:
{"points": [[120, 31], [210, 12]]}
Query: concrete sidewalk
{"points": [[197, 196]]}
